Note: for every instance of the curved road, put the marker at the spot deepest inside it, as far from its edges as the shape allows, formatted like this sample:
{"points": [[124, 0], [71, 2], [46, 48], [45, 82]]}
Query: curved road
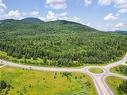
{"points": [[98, 79]]}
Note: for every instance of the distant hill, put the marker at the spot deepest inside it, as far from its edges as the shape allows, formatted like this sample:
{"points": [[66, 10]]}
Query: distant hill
{"points": [[121, 31], [63, 22], [58, 43], [118, 31], [58, 25], [8, 21], [25, 20], [32, 20]]}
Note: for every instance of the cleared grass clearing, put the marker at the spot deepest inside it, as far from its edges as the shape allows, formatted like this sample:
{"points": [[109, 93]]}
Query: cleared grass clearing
{"points": [[29, 82], [114, 83], [96, 70]]}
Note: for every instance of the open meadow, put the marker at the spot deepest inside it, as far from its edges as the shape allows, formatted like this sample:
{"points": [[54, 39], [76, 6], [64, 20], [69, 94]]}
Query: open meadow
{"points": [[27, 82]]}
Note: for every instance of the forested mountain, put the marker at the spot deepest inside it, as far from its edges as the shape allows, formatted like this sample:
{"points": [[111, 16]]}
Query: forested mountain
{"points": [[58, 43], [122, 32], [32, 20]]}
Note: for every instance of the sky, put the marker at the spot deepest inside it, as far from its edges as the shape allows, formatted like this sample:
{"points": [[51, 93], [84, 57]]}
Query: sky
{"points": [[107, 15]]}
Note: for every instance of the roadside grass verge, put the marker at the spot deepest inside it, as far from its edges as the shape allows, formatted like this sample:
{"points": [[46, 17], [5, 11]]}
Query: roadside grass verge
{"points": [[96, 70], [27, 82], [114, 83], [122, 69]]}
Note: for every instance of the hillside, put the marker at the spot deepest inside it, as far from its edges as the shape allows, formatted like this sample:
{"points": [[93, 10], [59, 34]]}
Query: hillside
{"points": [[58, 43]]}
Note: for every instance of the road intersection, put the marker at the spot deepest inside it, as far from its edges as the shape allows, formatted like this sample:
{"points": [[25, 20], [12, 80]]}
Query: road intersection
{"points": [[98, 79]]}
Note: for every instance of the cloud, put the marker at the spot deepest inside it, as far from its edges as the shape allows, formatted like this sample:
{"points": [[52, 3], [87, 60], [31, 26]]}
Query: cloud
{"points": [[35, 13], [88, 24], [122, 11], [42, 18], [2, 6], [110, 17], [74, 19], [56, 4], [14, 14], [88, 2], [104, 2], [119, 25], [121, 5], [62, 14], [51, 16]]}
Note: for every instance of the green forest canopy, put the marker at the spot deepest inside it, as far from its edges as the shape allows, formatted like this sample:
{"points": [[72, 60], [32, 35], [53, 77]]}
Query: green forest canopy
{"points": [[62, 42]]}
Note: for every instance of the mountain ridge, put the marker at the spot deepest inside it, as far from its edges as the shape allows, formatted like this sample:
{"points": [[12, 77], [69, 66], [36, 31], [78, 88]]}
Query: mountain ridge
{"points": [[57, 24]]}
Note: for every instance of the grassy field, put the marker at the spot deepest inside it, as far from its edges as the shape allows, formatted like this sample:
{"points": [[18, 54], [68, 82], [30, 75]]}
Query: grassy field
{"points": [[114, 83], [26, 82], [122, 69], [96, 70]]}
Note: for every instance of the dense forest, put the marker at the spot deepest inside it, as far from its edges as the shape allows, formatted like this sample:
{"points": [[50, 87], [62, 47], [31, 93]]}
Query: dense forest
{"points": [[59, 43], [123, 88], [121, 69]]}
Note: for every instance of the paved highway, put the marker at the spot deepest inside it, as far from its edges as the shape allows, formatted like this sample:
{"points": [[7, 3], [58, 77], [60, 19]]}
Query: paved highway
{"points": [[98, 79]]}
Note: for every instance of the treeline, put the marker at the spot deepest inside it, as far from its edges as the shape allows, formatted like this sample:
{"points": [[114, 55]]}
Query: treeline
{"points": [[63, 46], [123, 88], [122, 69], [4, 87]]}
